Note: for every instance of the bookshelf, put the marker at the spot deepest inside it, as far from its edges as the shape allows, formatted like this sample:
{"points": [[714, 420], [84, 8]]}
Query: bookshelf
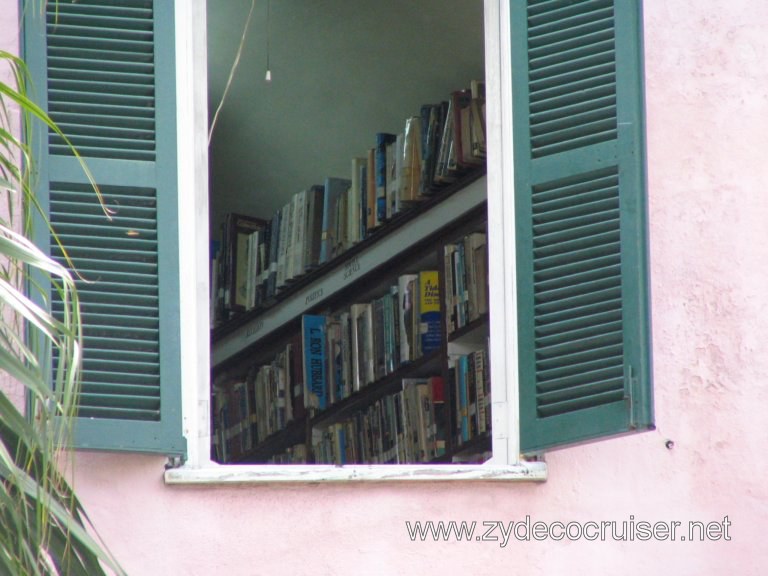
{"points": [[232, 340], [413, 240], [415, 132]]}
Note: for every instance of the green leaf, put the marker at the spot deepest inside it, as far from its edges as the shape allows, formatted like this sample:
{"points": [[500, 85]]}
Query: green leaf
{"points": [[42, 524]]}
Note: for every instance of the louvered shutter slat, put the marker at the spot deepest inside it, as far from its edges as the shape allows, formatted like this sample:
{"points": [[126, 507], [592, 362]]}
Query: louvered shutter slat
{"points": [[135, 361], [579, 195], [74, 32], [571, 60]]}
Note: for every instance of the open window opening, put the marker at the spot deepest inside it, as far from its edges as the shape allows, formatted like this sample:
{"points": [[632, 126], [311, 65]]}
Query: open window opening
{"points": [[348, 225]]}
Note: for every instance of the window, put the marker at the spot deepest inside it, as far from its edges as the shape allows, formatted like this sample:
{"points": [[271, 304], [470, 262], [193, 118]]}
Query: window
{"points": [[565, 121]]}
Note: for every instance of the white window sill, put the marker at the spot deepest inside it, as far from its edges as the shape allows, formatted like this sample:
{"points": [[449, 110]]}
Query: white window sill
{"points": [[263, 474]]}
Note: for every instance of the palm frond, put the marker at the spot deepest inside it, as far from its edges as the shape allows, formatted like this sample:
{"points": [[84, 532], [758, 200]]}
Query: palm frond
{"points": [[43, 527]]}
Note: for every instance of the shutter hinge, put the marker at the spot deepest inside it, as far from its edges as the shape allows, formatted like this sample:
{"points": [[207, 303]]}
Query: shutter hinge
{"points": [[174, 462], [629, 392]]}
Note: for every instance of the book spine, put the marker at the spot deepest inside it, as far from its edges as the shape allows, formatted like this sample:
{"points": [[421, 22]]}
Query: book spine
{"points": [[471, 383], [389, 337], [334, 187], [461, 373], [438, 431], [469, 273], [379, 344], [479, 148], [296, 358], [481, 277], [316, 389], [363, 216], [346, 353], [410, 173], [394, 292], [261, 286], [443, 173], [341, 240], [479, 367], [450, 289], [406, 310], [394, 168], [356, 345], [274, 240], [423, 423], [383, 140], [282, 393], [368, 345], [239, 237], [334, 360], [474, 248], [459, 279], [250, 295], [429, 311], [289, 238], [400, 438], [428, 126], [370, 192], [285, 227], [314, 225], [300, 227], [355, 207]]}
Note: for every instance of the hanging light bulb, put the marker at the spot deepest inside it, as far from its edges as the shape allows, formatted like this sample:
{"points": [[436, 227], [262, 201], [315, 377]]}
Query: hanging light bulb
{"points": [[268, 76]]}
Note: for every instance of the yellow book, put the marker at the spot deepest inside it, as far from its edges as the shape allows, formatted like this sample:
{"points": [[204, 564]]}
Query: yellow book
{"points": [[429, 311]]}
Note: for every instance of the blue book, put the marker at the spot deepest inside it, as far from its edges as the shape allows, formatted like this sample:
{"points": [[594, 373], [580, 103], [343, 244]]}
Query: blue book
{"points": [[313, 338], [334, 188], [382, 140]]}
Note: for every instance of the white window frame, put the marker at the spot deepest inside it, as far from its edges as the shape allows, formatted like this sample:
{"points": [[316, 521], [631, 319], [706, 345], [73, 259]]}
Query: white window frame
{"points": [[191, 45]]}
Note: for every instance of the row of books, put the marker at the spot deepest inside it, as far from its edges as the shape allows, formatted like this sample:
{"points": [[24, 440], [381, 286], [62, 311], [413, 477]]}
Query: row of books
{"points": [[332, 357], [346, 351], [233, 422], [230, 262], [466, 280], [296, 454], [469, 374], [406, 427], [269, 398], [259, 258]]}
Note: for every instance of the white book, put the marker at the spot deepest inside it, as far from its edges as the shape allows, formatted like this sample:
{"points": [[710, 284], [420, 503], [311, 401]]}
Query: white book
{"points": [[299, 229], [357, 343], [397, 173], [282, 244], [289, 238], [407, 292]]}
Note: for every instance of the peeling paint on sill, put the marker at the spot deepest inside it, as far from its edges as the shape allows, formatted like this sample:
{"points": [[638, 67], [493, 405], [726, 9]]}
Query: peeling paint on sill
{"points": [[263, 474]]}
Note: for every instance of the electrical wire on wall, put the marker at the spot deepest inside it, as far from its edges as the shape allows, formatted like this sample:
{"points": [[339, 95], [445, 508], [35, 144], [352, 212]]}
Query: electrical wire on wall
{"points": [[235, 65]]}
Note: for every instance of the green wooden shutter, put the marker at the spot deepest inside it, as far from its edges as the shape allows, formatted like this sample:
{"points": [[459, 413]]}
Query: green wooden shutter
{"points": [[105, 71], [583, 296]]}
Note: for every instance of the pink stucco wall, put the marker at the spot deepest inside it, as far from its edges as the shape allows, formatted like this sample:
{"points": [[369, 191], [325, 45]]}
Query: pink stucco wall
{"points": [[707, 115], [9, 42]]}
